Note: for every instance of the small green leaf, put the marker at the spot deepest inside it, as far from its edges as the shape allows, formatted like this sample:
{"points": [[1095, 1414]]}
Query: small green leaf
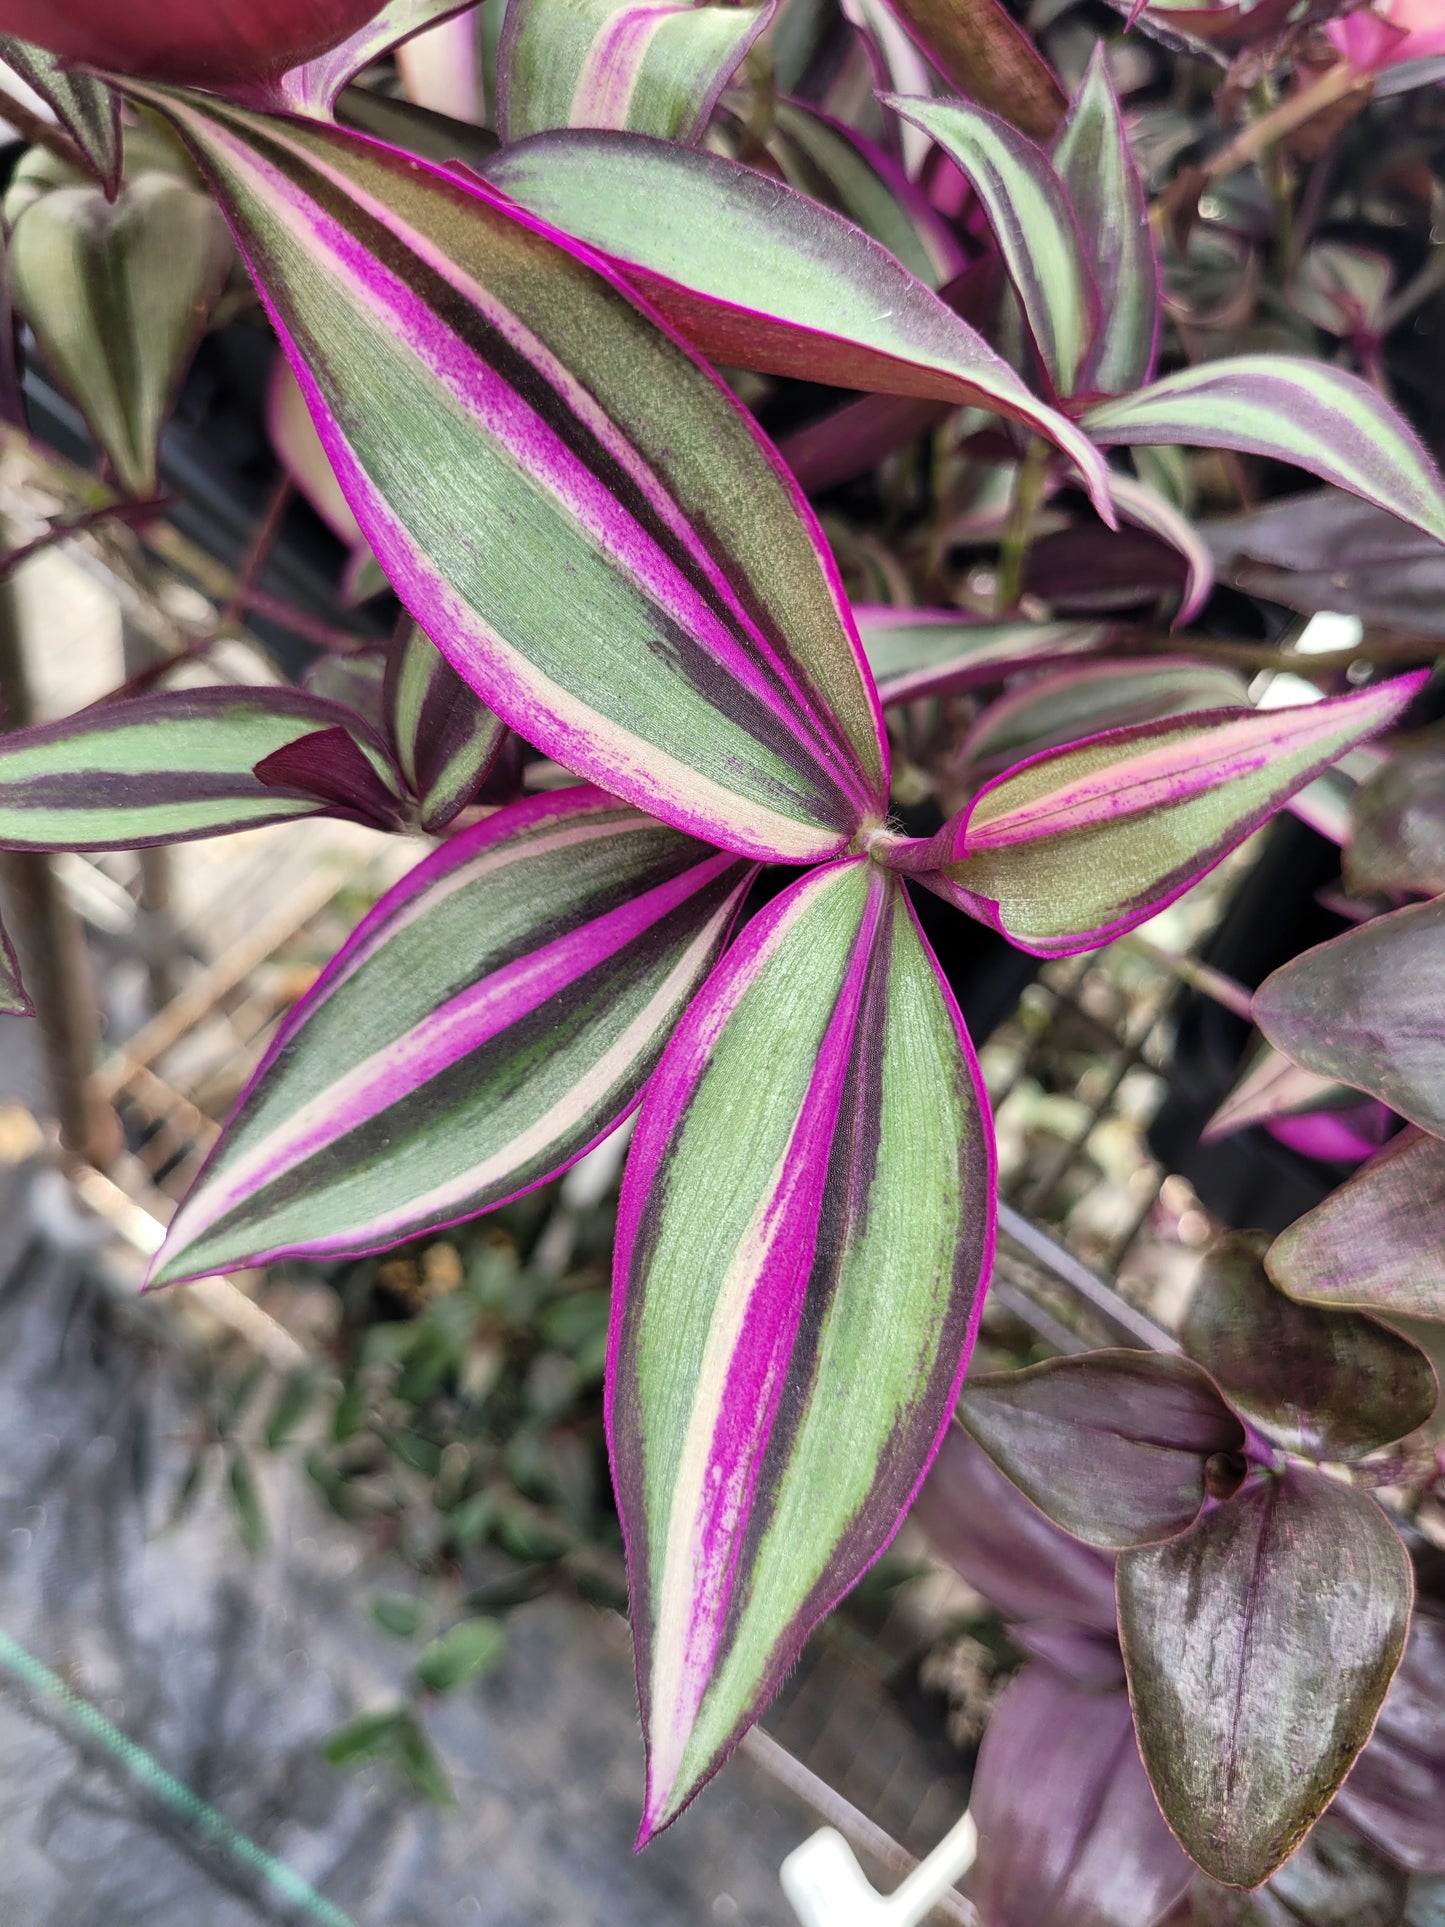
{"points": [[293, 1402], [246, 1497], [470, 1647], [369, 1736], [421, 1763], [398, 1613]]}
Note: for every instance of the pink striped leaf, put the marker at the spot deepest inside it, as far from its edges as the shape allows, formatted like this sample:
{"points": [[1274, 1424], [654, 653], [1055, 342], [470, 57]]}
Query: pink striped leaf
{"points": [[1034, 223], [1317, 417], [805, 1231], [915, 653], [758, 276], [1093, 160], [1077, 845], [1378, 1243], [654, 66], [579, 515], [495, 1015], [188, 763], [1060, 706], [445, 740], [1365, 1008], [1148, 509]]}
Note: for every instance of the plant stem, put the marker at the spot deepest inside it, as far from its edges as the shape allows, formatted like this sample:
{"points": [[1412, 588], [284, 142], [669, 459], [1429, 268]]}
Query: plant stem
{"points": [[54, 959], [1337, 83], [1014, 547]]}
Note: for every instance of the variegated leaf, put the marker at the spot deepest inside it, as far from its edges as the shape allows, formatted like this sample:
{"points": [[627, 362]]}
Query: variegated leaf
{"points": [[445, 740], [654, 66], [86, 108], [1077, 845], [1365, 1008], [1148, 509], [576, 511], [1033, 221], [805, 1230], [833, 163], [182, 764], [495, 1015], [1092, 158], [1317, 417], [757, 276], [1066, 704], [936, 652], [988, 57]]}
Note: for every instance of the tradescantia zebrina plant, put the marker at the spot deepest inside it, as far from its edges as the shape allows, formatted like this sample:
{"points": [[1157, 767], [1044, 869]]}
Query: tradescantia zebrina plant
{"points": [[604, 554]]}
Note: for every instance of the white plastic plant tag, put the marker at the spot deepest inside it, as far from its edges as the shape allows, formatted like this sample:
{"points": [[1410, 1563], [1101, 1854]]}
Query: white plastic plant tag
{"points": [[826, 1887]]}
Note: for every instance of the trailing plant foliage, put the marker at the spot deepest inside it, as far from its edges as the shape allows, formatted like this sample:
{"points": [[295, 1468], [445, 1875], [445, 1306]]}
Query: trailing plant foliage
{"points": [[513, 378]]}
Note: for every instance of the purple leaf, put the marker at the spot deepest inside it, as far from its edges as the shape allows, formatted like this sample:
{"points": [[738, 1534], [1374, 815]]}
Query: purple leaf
{"points": [[1259, 1651], [1069, 1832], [686, 643], [1317, 417], [1334, 1880], [495, 1015], [1397, 839], [1271, 1088], [330, 765], [1137, 502], [1365, 1009], [1395, 1794], [805, 1229], [1079, 844], [1113, 1446], [313, 88], [1378, 1243], [755, 275], [1037, 1577], [1327, 550], [1328, 1384]]}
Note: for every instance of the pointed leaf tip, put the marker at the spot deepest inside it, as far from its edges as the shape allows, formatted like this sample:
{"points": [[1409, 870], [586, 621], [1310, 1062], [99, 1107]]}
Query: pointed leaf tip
{"points": [[805, 1228]]}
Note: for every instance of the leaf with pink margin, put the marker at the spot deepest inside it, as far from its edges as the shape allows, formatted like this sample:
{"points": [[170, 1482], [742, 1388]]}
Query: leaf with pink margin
{"points": [[1034, 223], [1378, 1243], [171, 767], [915, 653], [1069, 1832], [1324, 1384], [1304, 412], [1061, 705], [805, 1229], [652, 605], [1365, 1008], [1271, 1087], [331, 765], [1258, 1656], [1039, 1578], [1113, 1446], [756, 275], [494, 1016], [313, 87], [1093, 159], [1146, 507], [1075, 846], [653, 66], [445, 739]]}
